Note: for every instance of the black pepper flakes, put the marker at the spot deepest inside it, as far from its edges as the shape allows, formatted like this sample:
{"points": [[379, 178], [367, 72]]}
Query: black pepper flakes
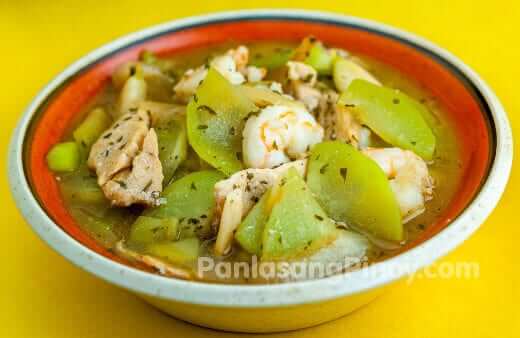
{"points": [[323, 169], [148, 185], [122, 184], [343, 173]]}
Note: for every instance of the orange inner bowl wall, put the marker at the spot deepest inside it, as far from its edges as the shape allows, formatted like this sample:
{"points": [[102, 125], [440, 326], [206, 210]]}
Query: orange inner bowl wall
{"points": [[464, 109]]}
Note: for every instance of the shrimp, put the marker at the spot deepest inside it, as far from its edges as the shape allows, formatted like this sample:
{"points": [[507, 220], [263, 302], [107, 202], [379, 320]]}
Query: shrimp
{"points": [[409, 178], [278, 135]]}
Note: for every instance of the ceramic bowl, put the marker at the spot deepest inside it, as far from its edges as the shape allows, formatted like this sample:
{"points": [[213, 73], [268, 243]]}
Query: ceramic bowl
{"points": [[480, 121]]}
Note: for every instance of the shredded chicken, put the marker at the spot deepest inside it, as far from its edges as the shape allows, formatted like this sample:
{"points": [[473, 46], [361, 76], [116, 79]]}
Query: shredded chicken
{"points": [[232, 65], [308, 95], [339, 123], [229, 222], [240, 57], [236, 195], [116, 148], [142, 183], [126, 161], [349, 129], [253, 183], [302, 84], [162, 112]]}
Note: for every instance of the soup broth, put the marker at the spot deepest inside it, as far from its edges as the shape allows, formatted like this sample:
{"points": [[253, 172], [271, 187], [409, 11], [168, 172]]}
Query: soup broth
{"points": [[111, 225]]}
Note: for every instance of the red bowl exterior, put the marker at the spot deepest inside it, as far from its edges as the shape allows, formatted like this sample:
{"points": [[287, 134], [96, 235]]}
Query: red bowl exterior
{"points": [[456, 95]]}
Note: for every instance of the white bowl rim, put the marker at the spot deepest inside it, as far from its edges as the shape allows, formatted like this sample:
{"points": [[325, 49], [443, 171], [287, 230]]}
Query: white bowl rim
{"points": [[254, 296]]}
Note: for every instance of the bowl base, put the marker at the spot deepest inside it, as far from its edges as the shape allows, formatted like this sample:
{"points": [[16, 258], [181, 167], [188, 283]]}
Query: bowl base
{"points": [[264, 319]]}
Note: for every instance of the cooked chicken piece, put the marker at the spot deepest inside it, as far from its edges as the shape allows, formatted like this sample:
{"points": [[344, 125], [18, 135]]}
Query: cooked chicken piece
{"points": [[253, 183], [240, 57], [162, 112], [232, 65], [255, 74], [339, 122], [229, 222], [307, 94], [226, 65], [161, 266], [134, 91], [126, 70], [302, 84], [189, 82], [116, 148], [301, 72], [142, 183], [325, 113], [349, 129]]}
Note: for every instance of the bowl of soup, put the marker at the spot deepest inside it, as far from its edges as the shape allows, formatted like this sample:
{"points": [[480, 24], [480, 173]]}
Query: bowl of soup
{"points": [[260, 171]]}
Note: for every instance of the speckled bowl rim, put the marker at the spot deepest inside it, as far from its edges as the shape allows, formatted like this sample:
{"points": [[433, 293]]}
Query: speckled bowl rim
{"points": [[255, 296]]}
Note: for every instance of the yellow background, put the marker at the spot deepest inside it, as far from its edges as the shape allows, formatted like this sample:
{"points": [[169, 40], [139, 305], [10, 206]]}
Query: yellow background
{"points": [[42, 295]]}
